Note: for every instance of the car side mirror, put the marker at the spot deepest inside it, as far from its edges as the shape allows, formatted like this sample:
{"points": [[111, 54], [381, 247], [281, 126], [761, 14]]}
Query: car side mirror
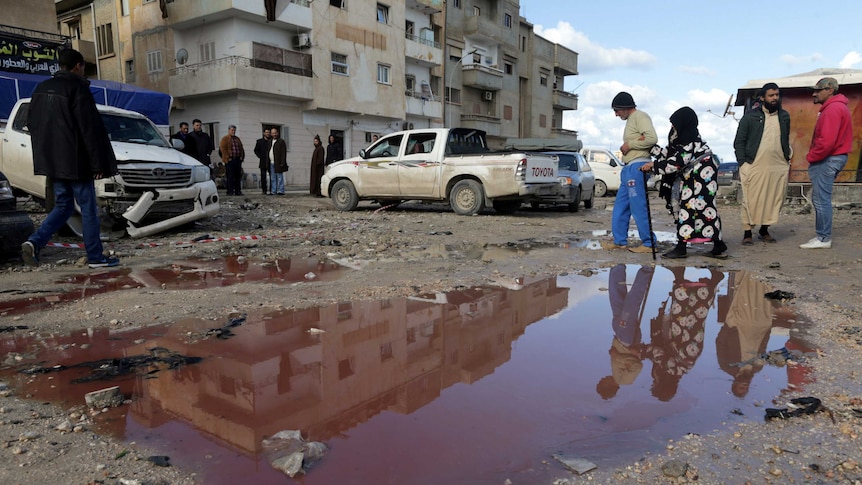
{"points": [[613, 163], [178, 144], [362, 154]]}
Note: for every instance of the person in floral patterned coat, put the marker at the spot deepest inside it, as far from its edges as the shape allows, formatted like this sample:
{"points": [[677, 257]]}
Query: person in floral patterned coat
{"points": [[688, 156]]}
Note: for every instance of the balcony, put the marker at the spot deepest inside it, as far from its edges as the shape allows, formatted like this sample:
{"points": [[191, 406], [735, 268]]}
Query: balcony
{"points": [[482, 77], [294, 16], [565, 61], [243, 74], [424, 52], [86, 48], [564, 133], [424, 106], [564, 100], [486, 123], [427, 7], [485, 28]]}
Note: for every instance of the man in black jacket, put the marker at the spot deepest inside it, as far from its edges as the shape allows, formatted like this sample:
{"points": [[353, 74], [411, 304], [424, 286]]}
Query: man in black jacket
{"points": [[189, 146], [261, 149], [71, 147]]}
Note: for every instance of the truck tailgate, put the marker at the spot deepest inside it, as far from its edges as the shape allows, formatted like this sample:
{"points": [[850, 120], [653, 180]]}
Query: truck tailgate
{"points": [[541, 169]]}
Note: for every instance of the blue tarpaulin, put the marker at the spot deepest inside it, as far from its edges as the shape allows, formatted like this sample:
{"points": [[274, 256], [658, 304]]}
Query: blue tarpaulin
{"points": [[153, 104]]}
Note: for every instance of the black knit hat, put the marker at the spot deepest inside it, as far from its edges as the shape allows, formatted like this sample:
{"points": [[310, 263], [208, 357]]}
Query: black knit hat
{"points": [[623, 100]]}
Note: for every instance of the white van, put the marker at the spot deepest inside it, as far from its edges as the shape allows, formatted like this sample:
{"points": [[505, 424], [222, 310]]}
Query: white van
{"points": [[607, 168]]}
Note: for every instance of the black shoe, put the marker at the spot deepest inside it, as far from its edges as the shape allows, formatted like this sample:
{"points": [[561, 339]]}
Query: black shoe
{"points": [[718, 248], [239, 193], [676, 253]]}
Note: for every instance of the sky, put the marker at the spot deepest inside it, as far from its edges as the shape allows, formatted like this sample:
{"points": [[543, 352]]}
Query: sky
{"points": [[696, 53]]}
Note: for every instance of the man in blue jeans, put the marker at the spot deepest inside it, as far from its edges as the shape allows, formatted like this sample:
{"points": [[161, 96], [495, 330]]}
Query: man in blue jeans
{"points": [[827, 155], [71, 147], [638, 138]]}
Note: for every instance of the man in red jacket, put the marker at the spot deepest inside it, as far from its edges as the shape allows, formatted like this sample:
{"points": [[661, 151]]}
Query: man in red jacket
{"points": [[827, 155]]}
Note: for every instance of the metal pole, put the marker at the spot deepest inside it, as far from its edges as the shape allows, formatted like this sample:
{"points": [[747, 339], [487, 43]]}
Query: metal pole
{"points": [[649, 214]]}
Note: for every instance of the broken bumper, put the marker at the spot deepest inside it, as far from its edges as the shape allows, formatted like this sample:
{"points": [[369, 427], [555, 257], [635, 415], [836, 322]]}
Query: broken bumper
{"points": [[163, 209]]}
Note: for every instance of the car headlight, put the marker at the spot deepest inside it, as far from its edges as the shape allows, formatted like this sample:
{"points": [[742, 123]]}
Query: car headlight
{"points": [[565, 180], [200, 174], [6, 190]]}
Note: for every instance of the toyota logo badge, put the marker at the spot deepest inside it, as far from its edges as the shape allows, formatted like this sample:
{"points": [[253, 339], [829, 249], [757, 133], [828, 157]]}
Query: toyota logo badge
{"points": [[159, 173]]}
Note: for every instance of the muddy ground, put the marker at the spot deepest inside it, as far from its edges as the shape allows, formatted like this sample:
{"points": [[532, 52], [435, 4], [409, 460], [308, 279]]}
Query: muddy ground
{"points": [[422, 248]]}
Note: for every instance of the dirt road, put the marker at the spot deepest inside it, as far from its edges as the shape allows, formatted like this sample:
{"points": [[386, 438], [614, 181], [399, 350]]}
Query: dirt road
{"points": [[418, 249]]}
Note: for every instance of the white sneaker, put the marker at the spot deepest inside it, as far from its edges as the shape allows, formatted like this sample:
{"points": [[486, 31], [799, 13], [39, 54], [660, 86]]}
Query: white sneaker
{"points": [[816, 244]]}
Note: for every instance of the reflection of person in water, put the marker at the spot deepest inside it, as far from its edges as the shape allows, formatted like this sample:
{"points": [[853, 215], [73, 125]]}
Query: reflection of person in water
{"points": [[676, 337], [745, 334], [627, 306]]}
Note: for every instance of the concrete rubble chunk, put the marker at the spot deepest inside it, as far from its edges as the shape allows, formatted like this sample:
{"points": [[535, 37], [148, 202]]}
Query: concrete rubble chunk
{"points": [[577, 465], [110, 397], [291, 454]]}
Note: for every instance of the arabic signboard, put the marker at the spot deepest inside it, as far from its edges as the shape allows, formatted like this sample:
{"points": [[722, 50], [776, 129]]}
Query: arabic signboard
{"points": [[28, 56]]}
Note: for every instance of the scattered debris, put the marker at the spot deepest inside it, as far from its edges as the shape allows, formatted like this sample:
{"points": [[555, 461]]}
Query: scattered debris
{"points": [[106, 369], [12, 328], [224, 332], [104, 398], [160, 460], [779, 295], [291, 454], [674, 468], [800, 405], [577, 465]]}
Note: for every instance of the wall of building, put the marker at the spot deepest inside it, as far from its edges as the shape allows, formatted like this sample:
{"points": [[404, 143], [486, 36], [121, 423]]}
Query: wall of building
{"points": [[30, 14]]}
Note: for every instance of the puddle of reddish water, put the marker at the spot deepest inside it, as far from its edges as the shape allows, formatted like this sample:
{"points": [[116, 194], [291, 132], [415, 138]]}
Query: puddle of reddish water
{"points": [[188, 274], [473, 386]]}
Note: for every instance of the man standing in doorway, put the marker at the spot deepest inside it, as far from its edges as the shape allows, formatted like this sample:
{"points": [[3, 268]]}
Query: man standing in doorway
{"points": [[71, 147], [261, 150], [827, 155], [203, 143], [277, 154], [762, 147], [334, 150], [638, 138], [232, 155]]}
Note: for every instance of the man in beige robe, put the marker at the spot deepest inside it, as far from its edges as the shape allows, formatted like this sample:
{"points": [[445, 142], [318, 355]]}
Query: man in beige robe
{"points": [[762, 147]]}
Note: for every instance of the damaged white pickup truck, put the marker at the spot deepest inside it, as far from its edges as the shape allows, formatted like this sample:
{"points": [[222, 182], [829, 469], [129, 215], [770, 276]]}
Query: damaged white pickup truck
{"points": [[158, 187]]}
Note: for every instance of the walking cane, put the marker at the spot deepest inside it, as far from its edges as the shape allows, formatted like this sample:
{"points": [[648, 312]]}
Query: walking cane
{"points": [[649, 215]]}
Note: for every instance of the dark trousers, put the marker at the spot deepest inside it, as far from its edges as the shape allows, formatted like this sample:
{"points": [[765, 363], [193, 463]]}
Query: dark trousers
{"points": [[233, 174], [263, 185]]}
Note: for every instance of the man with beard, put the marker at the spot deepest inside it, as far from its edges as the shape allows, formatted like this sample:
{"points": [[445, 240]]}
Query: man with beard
{"points": [[762, 147]]}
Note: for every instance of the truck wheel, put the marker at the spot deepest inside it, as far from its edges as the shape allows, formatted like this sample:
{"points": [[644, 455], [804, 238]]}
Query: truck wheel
{"points": [[588, 203], [601, 188], [573, 207], [344, 196], [15, 227], [507, 206], [467, 198]]}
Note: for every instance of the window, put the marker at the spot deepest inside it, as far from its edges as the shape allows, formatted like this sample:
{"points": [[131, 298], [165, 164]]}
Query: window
{"points": [[130, 67], [456, 3], [338, 3], [455, 53], [543, 121], [507, 112], [453, 95], [507, 21], [509, 68], [74, 26], [207, 52], [543, 79], [477, 11], [383, 74], [154, 61], [523, 43], [410, 84], [339, 64], [148, 1], [124, 8], [386, 352], [382, 13], [105, 40], [410, 29]]}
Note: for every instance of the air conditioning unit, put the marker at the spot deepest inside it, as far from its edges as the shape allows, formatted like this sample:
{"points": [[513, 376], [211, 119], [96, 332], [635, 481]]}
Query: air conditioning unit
{"points": [[489, 95], [301, 41], [407, 126]]}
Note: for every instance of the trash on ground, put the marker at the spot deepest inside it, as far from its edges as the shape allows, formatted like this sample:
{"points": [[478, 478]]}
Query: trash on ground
{"points": [[779, 295], [800, 406], [291, 454], [106, 369], [224, 331]]}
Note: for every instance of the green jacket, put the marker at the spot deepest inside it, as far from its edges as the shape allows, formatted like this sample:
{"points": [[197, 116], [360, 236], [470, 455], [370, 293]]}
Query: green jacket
{"points": [[750, 132]]}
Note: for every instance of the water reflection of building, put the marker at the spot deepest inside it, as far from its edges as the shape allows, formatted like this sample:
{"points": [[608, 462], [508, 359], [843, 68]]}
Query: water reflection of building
{"points": [[387, 355]]}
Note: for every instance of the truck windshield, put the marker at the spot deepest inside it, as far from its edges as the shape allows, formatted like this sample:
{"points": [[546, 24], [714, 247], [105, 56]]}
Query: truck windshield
{"points": [[132, 130]]}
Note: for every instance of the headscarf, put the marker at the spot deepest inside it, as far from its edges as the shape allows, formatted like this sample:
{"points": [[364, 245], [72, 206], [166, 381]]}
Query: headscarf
{"points": [[684, 121]]}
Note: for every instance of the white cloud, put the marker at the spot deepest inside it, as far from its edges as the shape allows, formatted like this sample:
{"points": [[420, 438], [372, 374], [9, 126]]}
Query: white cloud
{"points": [[594, 57], [851, 59], [792, 60]]}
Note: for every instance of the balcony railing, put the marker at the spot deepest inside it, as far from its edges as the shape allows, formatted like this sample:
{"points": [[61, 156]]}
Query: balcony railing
{"points": [[424, 97], [416, 38], [242, 62]]}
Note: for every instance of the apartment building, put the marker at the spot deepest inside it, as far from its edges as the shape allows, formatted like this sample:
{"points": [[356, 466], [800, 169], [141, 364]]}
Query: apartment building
{"points": [[347, 68]]}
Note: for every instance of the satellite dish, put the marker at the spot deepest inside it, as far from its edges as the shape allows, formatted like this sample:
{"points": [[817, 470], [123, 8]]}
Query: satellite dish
{"points": [[182, 56], [727, 108]]}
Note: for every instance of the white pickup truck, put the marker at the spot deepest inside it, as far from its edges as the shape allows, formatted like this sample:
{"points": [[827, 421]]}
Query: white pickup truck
{"points": [[158, 187], [439, 164]]}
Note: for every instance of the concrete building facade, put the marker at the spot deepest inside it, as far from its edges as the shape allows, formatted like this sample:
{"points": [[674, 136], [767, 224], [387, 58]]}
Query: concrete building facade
{"points": [[347, 68]]}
